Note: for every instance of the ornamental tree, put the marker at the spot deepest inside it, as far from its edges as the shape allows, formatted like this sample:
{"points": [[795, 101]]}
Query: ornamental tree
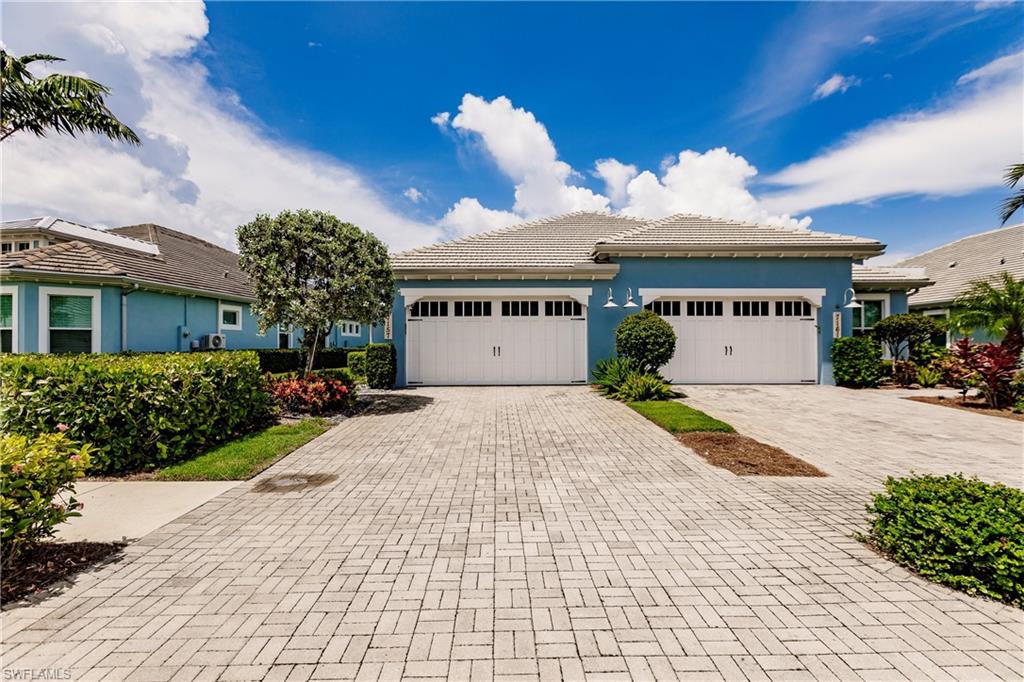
{"points": [[647, 339], [900, 333], [309, 269]]}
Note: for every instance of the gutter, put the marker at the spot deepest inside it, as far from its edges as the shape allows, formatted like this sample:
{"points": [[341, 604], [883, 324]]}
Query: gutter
{"points": [[733, 251], [122, 280]]}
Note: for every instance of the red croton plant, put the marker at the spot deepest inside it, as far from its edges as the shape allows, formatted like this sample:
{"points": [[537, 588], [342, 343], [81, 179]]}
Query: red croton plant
{"points": [[992, 366], [312, 394]]}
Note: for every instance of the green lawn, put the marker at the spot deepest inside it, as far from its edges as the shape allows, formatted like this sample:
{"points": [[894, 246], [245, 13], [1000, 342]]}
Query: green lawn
{"points": [[676, 417], [244, 458]]}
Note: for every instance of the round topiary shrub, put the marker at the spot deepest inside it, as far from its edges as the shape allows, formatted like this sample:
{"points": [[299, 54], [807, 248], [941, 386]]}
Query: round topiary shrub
{"points": [[646, 339]]}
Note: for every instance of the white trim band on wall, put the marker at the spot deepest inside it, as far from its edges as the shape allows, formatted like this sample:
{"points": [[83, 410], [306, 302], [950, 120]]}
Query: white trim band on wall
{"points": [[412, 294], [814, 296]]}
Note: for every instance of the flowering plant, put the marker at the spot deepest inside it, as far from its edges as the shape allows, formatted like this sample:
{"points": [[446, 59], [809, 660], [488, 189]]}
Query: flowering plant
{"points": [[37, 486], [313, 393]]}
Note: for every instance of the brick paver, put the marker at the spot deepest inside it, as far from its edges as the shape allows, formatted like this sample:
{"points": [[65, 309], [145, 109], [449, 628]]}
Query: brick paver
{"points": [[515, 533]]}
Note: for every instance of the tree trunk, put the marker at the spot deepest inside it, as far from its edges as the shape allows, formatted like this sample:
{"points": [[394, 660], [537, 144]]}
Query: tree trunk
{"points": [[311, 353]]}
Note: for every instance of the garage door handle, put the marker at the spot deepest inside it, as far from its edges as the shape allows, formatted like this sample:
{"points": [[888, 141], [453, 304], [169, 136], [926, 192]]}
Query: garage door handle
{"points": [[499, 351], [730, 350], [494, 351]]}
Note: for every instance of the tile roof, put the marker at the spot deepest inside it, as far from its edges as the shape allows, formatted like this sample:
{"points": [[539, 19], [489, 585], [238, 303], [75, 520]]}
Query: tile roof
{"points": [[65, 229], [886, 276], [579, 240], [697, 233], [563, 241], [183, 262], [954, 265]]}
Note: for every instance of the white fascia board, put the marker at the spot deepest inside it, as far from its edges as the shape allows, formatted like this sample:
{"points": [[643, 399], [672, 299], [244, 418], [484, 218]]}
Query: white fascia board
{"points": [[412, 294], [814, 296]]}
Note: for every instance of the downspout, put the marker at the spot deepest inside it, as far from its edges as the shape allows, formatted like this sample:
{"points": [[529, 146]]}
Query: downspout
{"points": [[124, 315]]}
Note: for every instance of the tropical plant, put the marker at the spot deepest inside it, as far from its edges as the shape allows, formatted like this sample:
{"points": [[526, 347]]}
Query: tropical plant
{"points": [[611, 373], [958, 369], [37, 473], [856, 361], [901, 333], [647, 339], [309, 269], [927, 353], [904, 372], [643, 386], [996, 305], [58, 103], [314, 393], [996, 366], [929, 377], [1013, 203]]}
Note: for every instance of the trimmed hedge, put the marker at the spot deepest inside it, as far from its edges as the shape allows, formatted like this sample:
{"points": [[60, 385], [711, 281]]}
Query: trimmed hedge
{"points": [[278, 360], [856, 361], [960, 532], [138, 412], [38, 487], [357, 363], [381, 365]]}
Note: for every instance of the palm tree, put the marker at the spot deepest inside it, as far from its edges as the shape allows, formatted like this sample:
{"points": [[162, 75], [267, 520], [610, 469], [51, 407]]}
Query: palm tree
{"points": [[1013, 202], [996, 306], [56, 103]]}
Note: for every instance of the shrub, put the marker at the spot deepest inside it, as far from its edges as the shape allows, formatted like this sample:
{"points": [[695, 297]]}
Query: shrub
{"points": [[856, 361], [927, 353], [904, 372], [902, 333], [278, 360], [340, 373], [137, 411], [330, 358], [996, 366], [640, 387], [611, 373], [647, 339], [37, 474], [357, 363], [956, 374], [313, 394], [960, 532], [928, 377], [381, 365]]}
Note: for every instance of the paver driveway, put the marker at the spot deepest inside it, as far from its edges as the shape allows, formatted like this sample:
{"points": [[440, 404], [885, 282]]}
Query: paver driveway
{"points": [[534, 532]]}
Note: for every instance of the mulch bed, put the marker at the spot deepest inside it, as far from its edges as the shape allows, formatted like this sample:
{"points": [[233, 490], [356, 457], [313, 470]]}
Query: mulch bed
{"points": [[48, 562], [745, 456], [971, 405]]}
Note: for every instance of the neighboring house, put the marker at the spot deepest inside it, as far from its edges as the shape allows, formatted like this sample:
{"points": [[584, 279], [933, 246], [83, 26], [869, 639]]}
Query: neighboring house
{"points": [[140, 288], [955, 265], [539, 302]]}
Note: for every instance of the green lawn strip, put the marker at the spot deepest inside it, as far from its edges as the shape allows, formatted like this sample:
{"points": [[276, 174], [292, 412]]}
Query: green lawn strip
{"points": [[675, 417], [244, 458]]}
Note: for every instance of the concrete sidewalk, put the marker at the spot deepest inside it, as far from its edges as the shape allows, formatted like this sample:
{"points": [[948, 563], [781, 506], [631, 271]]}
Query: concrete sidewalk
{"points": [[117, 510]]}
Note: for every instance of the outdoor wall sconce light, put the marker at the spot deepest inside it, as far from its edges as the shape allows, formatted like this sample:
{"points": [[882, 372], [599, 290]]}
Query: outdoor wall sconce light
{"points": [[611, 303], [629, 300], [854, 303]]}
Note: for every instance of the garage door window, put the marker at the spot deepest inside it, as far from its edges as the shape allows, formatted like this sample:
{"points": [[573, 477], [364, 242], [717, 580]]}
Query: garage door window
{"points": [[520, 308], [429, 309], [666, 308], [472, 308], [792, 309], [704, 308], [562, 309], [750, 308]]}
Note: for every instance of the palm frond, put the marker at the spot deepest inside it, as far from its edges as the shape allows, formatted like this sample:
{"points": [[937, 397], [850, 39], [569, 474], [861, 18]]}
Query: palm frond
{"points": [[1011, 205]]}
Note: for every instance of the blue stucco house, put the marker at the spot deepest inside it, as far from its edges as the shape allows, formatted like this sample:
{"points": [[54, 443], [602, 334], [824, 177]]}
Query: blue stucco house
{"points": [[539, 302], [66, 287]]}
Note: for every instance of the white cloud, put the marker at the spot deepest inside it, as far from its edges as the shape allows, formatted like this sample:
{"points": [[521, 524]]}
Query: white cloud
{"points": [[413, 195], [206, 164], [996, 68], [869, 40], [616, 176], [468, 216], [713, 183], [440, 119], [836, 83], [959, 147]]}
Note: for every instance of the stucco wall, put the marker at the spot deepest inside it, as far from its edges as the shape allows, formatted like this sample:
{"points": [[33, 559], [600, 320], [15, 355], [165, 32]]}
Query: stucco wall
{"points": [[831, 274]]}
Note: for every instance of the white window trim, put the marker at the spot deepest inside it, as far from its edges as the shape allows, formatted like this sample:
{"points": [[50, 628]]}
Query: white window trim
{"points": [[221, 308], [290, 333], [44, 314], [13, 293], [935, 312], [357, 332], [814, 296], [413, 294], [884, 298]]}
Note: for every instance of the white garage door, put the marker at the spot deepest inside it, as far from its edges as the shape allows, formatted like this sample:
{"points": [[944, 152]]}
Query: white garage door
{"points": [[749, 341], [496, 341]]}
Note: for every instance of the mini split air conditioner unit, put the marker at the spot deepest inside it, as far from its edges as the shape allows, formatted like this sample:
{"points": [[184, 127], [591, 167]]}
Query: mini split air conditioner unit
{"points": [[213, 342]]}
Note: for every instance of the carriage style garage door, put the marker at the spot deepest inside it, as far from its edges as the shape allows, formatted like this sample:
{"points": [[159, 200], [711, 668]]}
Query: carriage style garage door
{"points": [[748, 341], [496, 341]]}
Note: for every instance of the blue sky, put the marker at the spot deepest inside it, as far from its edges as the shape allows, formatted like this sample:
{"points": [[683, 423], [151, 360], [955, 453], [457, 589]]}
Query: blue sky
{"points": [[860, 116]]}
